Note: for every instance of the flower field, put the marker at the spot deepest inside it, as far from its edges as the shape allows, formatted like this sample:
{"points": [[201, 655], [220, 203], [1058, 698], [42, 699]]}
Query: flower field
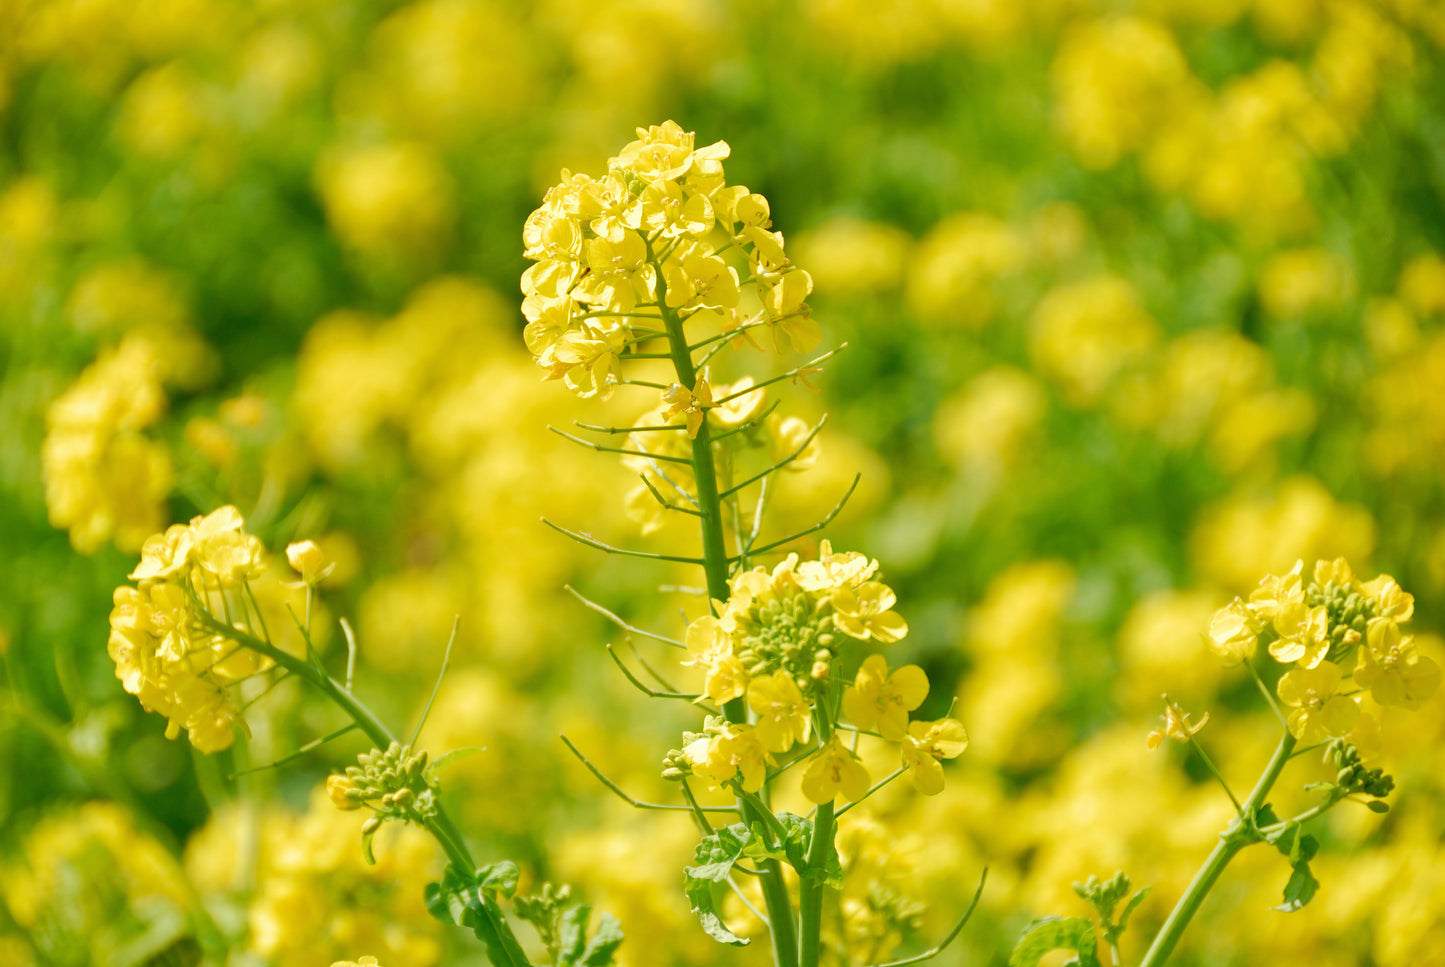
{"points": [[686, 482]]}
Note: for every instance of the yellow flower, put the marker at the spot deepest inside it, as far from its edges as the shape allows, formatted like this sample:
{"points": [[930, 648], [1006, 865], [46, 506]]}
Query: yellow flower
{"points": [[737, 749], [829, 571], [882, 701], [679, 400], [1176, 726], [1390, 667], [834, 769], [725, 677], [1335, 572], [1233, 632], [1276, 592], [864, 613], [308, 560], [784, 717], [340, 790], [1304, 634], [924, 748], [1391, 601], [363, 962], [1318, 711]]}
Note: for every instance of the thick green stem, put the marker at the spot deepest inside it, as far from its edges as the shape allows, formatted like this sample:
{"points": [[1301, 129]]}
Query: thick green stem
{"points": [[715, 557], [1241, 833], [810, 891]]}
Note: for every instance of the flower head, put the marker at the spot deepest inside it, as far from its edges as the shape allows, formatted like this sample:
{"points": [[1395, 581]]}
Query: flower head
{"points": [[834, 769], [924, 748]]}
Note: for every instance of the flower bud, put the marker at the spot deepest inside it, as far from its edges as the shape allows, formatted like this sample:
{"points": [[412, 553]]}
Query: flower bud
{"points": [[342, 793]]}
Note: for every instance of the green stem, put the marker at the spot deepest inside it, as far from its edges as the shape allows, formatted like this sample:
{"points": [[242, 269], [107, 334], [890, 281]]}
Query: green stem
{"points": [[810, 890], [715, 566], [1241, 833], [443, 830]]}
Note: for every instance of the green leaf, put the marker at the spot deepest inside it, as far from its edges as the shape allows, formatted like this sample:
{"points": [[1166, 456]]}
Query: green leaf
{"points": [[572, 934], [457, 900], [1056, 933], [714, 859], [604, 942], [1299, 848], [1131, 906], [1300, 889], [500, 877]]}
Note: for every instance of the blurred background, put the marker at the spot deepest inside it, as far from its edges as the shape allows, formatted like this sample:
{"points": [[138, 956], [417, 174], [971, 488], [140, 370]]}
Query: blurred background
{"points": [[1142, 300]]}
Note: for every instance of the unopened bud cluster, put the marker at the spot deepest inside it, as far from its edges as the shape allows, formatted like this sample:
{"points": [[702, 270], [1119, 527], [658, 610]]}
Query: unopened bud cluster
{"points": [[393, 782], [1352, 776]]}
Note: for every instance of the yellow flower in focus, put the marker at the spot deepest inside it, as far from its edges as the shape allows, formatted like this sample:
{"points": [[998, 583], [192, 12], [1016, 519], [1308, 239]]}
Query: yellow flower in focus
{"points": [[725, 676], [829, 571], [784, 716], [864, 613], [878, 700], [692, 403], [1318, 711], [736, 750], [1304, 635], [834, 769], [924, 748], [1391, 668], [1176, 726]]}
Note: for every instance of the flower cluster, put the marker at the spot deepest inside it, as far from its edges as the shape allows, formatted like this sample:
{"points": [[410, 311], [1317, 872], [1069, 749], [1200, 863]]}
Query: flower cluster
{"points": [[644, 243], [168, 648], [775, 644], [1316, 627]]}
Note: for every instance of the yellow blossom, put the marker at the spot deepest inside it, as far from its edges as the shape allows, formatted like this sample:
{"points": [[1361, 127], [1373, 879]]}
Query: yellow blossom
{"points": [[1317, 710], [736, 750], [691, 403], [784, 716], [1176, 726], [924, 748], [834, 769], [308, 560], [1392, 669], [864, 613], [881, 700]]}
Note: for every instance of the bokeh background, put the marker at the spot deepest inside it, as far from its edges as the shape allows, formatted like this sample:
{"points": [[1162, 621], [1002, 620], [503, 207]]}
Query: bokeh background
{"points": [[1142, 300]]}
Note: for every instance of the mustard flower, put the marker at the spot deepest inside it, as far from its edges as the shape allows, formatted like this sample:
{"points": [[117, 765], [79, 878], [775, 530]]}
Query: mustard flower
{"points": [[784, 716], [363, 962], [691, 404], [1391, 668], [733, 751], [834, 769], [1176, 726], [924, 748], [308, 560], [1389, 599], [1318, 710], [725, 677], [1233, 632], [1304, 634], [864, 613], [881, 700]]}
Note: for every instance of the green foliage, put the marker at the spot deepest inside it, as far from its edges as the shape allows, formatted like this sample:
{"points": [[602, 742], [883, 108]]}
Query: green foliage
{"points": [[1047, 934]]}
